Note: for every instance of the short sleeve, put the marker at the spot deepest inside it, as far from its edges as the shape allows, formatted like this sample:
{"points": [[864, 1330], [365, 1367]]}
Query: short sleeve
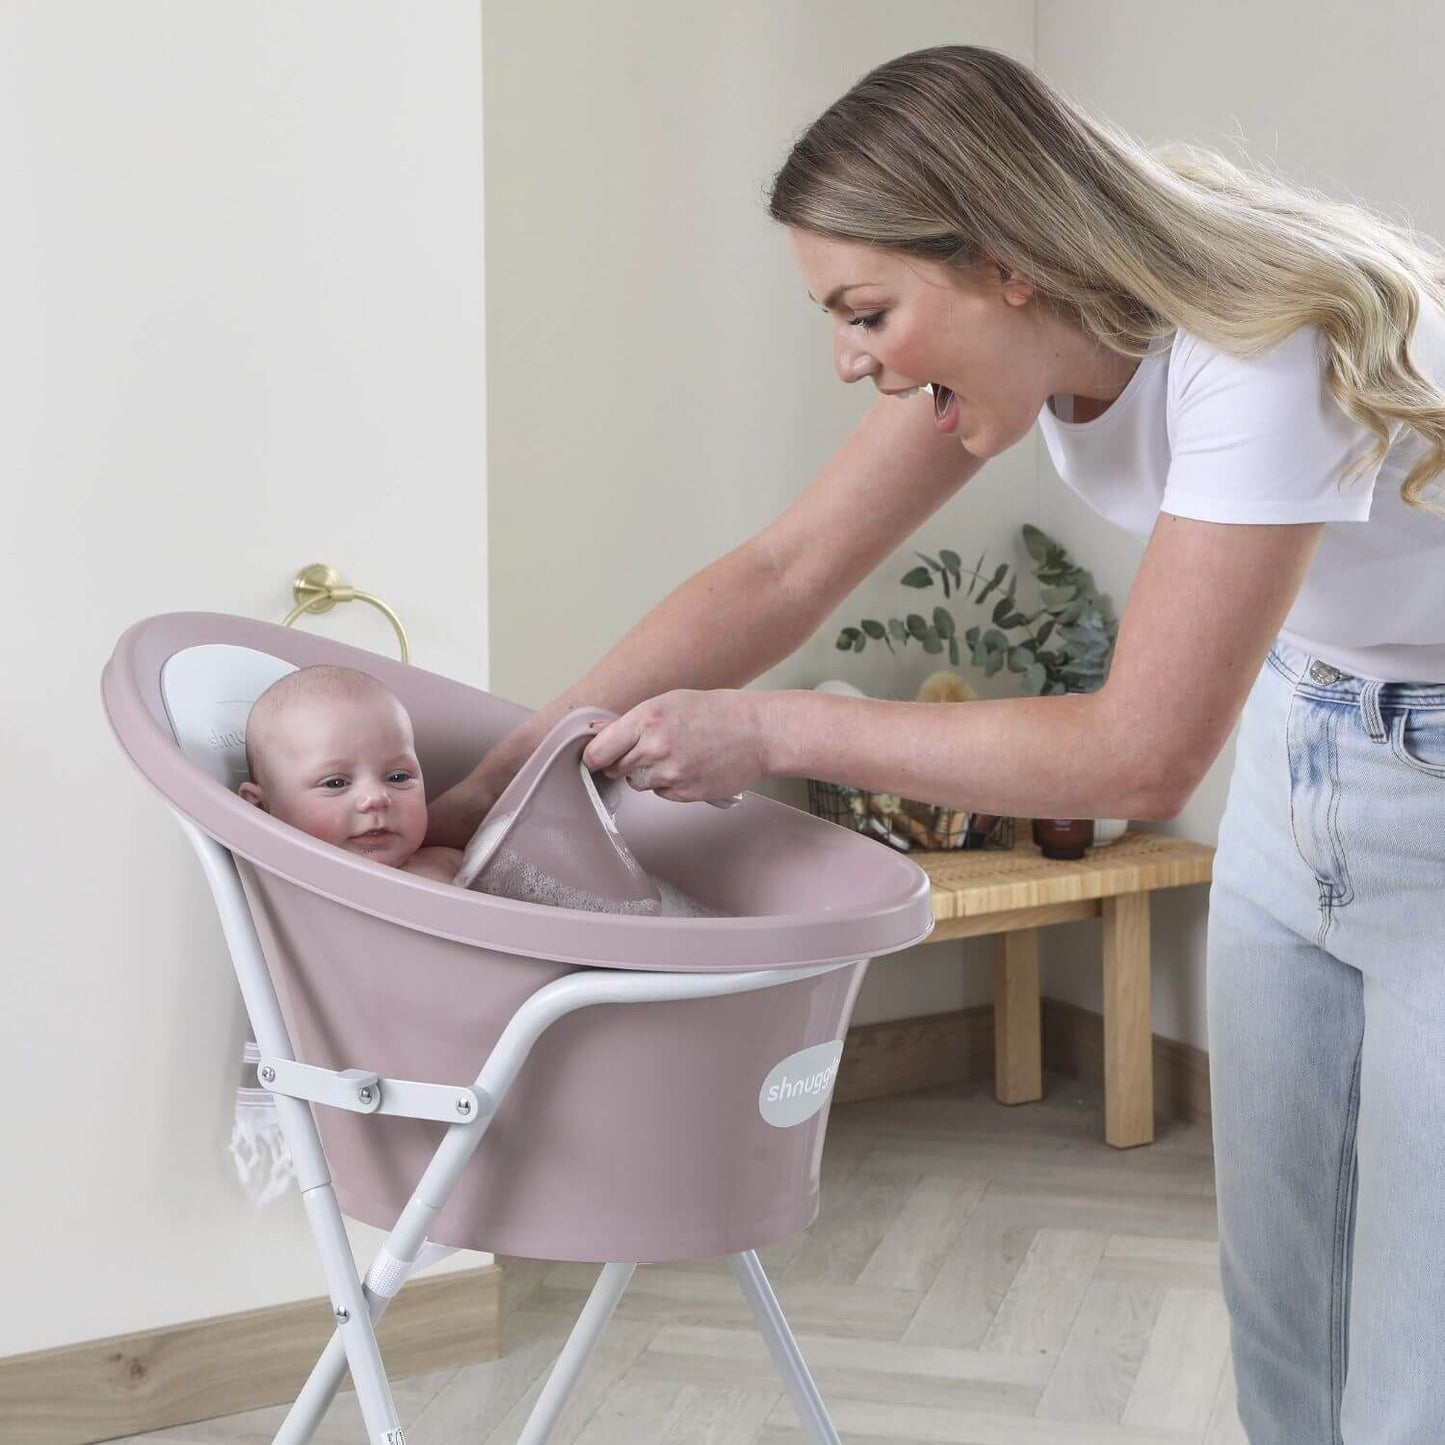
{"points": [[1262, 439]]}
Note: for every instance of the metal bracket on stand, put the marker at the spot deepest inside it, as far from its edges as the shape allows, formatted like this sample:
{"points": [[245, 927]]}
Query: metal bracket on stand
{"points": [[363, 1092]]}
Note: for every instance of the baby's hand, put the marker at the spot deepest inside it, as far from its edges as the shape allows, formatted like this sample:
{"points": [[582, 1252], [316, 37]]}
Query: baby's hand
{"points": [[438, 864]]}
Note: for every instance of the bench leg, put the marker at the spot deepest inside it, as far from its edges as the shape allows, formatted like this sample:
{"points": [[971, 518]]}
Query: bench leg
{"points": [[1128, 1026], [1017, 1026]]}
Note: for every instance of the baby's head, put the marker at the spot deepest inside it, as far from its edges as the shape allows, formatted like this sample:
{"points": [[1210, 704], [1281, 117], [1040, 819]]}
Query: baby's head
{"points": [[330, 751]]}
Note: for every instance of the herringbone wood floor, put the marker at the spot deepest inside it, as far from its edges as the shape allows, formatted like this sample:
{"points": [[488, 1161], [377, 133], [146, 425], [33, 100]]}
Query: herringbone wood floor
{"points": [[977, 1274]]}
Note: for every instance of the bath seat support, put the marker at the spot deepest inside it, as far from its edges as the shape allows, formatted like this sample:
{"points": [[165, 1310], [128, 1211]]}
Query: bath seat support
{"points": [[356, 1304]]}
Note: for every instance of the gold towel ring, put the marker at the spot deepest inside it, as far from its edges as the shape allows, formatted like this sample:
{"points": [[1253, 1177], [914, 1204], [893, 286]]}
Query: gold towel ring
{"points": [[318, 588]]}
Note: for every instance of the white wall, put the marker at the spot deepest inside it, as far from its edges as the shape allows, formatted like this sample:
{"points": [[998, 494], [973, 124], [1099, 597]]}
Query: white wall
{"points": [[1342, 98], [661, 387], [241, 264]]}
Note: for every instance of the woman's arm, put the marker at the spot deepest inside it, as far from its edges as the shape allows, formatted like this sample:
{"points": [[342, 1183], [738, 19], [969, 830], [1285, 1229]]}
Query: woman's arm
{"points": [[891, 473], [1206, 604]]}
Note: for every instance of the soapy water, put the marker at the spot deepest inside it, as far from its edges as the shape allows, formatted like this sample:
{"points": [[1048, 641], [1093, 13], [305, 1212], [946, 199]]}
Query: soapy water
{"points": [[509, 875], [677, 904]]}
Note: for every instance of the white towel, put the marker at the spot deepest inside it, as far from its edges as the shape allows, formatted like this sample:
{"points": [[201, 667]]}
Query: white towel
{"points": [[266, 1169], [263, 1160]]}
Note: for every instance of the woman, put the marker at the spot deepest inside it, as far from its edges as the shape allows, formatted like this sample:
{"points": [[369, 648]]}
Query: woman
{"points": [[1252, 378]]}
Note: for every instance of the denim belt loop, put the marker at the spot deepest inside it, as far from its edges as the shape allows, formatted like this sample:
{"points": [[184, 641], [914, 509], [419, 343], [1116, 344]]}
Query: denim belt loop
{"points": [[1370, 710]]}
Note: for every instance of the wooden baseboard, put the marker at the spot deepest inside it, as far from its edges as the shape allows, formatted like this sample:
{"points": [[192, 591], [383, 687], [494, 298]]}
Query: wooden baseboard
{"points": [[1074, 1044], [904, 1055], [131, 1384]]}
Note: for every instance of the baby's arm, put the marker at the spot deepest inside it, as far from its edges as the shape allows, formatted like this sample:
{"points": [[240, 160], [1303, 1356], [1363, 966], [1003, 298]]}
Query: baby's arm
{"points": [[439, 864]]}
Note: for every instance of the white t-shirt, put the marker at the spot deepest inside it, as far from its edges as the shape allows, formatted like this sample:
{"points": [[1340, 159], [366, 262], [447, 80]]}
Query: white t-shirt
{"points": [[1202, 434]]}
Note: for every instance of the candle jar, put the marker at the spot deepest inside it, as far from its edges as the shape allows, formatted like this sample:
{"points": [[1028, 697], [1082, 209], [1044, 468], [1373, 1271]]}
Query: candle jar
{"points": [[1063, 838]]}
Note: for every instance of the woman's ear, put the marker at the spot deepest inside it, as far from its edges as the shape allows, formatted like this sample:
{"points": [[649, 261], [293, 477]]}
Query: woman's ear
{"points": [[253, 795], [1013, 286], [1017, 288]]}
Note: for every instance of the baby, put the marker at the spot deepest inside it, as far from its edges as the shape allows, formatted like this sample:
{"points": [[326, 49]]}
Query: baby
{"points": [[330, 751]]}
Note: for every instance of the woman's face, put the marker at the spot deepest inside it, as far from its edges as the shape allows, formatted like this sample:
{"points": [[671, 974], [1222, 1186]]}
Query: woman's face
{"points": [[904, 322]]}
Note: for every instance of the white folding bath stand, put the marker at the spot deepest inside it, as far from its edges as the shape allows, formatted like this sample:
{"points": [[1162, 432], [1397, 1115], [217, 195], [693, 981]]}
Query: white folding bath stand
{"points": [[468, 1109]]}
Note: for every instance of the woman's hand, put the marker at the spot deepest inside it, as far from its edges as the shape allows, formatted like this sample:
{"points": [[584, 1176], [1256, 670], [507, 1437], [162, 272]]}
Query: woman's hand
{"points": [[686, 746]]}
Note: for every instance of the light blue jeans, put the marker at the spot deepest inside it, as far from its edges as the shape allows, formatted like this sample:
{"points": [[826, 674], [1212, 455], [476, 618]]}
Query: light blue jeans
{"points": [[1327, 1057]]}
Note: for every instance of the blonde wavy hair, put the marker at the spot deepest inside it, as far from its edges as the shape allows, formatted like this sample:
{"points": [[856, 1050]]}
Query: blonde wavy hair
{"points": [[962, 155]]}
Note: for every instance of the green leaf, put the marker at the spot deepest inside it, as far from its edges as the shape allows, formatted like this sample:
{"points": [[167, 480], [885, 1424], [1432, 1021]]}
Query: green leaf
{"points": [[846, 637], [995, 641], [953, 650], [917, 627], [860, 643], [932, 644], [1001, 610], [873, 629], [1036, 677], [943, 621], [918, 577], [897, 629], [993, 582], [978, 571], [1036, 541]]}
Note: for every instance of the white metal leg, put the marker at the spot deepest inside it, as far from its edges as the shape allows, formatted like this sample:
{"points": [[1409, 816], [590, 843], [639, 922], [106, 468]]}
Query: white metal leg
{"points": [[358, 1338], [748, 1271], [309, 1407], [555, 1000], [576, 1352]]}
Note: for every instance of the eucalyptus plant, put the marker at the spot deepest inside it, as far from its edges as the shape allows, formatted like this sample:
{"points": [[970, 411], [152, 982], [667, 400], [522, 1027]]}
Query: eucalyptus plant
{"points": [[1079, 623]]}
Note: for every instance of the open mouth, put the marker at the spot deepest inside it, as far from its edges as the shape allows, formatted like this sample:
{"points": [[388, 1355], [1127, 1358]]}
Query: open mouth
{"points": [[945, 407]]}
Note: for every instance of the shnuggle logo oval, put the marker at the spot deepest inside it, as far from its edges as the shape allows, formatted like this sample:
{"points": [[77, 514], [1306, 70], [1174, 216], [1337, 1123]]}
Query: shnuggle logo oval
{"points": [[799, 1086]]}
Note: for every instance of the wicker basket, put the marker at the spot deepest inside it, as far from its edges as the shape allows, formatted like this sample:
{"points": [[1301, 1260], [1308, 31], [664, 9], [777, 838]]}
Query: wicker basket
{"points": [[907, 824]]}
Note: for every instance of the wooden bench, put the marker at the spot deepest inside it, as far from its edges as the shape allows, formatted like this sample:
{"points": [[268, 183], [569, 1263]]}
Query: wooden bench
{"points": [[1012, 893]]}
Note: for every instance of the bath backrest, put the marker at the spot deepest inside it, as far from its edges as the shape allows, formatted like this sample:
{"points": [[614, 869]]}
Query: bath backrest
{"points": [[208, 691]]}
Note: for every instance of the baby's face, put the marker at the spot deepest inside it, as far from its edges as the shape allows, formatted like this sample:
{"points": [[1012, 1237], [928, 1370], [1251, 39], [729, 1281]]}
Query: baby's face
{"points": [[344, 770]]}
